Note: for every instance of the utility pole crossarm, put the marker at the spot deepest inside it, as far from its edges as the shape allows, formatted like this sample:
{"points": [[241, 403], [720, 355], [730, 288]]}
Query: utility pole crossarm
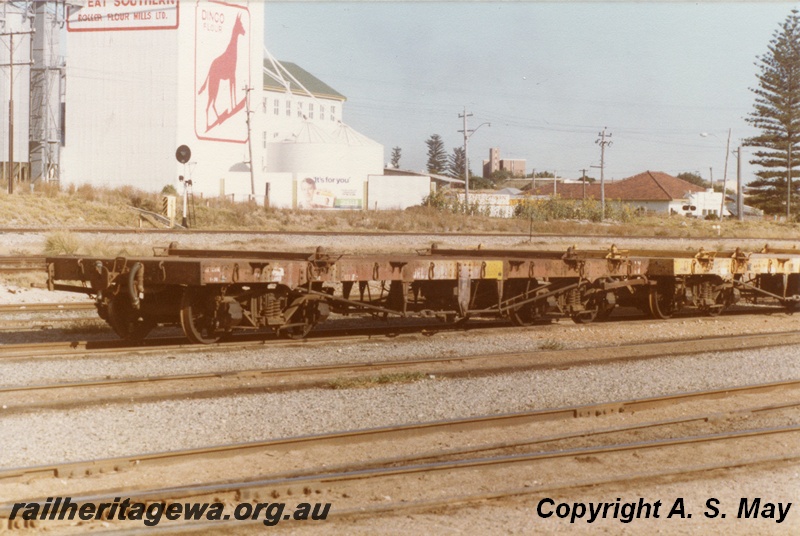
{"points": [[466, 158], [603, 142]]}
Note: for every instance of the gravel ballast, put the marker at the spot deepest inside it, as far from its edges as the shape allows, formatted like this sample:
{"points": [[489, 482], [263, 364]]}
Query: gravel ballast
{"points": [[52, 436]]}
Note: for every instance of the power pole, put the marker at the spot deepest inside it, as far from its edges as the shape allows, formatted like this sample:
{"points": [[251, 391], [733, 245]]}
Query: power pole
{"points": [[467, 133], [466, 159], [725, 177], [583, 172], [247, 90], [739, 192], [602, 142], [10, 66]]}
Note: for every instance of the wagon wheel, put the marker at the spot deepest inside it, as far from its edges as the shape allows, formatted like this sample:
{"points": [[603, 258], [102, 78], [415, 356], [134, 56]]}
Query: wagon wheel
{"points": [[197, 317], [126, 321], [588, 315], [528, 314], [592, 306], [307, 315], [300, 331], [604, 312], [605, 309], [662, 300], [722, 302]]}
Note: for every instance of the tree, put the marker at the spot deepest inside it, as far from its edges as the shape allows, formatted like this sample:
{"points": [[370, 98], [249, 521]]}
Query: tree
{"points": [[456, 163], [777, 115], [437, 156], [693, 178], [396, 157], [501, 175]]}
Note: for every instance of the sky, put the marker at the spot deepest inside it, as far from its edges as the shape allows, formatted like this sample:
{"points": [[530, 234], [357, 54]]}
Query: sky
{"points": [[548, 77]]}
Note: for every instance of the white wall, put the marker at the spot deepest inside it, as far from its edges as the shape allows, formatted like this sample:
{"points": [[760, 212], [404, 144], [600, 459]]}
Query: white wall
{"points": [[281, 189], [705, 203], [386, 192], [120, 106], [135, 94], [494, 205], [280, 126]]}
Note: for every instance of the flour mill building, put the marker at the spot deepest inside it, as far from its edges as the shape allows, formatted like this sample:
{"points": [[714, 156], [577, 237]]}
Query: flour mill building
{"points": [[143, 77]]}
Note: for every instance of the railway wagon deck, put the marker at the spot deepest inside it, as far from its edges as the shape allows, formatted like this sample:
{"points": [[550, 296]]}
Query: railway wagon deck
{"points": [[212, 293]]}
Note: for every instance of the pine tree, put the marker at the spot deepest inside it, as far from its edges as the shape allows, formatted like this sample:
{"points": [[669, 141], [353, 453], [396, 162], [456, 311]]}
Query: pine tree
{"points": [[437, 156], [456, 163], [777, 115], [396, 157]]}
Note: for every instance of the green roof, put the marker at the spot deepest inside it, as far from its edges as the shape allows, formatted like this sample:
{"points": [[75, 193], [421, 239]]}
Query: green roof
{"points": [[316, 86]]}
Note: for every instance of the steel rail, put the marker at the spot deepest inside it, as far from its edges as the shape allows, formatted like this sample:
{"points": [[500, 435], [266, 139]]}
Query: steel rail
{"points": [[480, 234], [464, 499], [241, 340], [247, 490], [46, 307], [124, 390], [399, 432]]}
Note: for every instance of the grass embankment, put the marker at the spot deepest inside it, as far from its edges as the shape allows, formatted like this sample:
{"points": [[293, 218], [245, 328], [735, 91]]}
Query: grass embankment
{"points": [[49, 208]]}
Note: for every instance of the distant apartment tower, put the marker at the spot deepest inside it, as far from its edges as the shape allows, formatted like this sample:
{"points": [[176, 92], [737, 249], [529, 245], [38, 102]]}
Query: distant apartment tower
{"points": [[514, 166]]}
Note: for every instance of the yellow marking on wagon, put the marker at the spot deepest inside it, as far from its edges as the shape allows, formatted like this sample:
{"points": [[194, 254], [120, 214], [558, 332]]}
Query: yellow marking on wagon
{"points": [[494, 270]]}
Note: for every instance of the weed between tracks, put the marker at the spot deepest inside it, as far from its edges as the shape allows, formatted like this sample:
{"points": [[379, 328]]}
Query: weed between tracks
{"points": [[552, 344], [84, 326], [374, 381]]}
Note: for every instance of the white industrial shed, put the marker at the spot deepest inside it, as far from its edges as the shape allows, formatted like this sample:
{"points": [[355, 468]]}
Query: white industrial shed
{"points": [[144, 78]]}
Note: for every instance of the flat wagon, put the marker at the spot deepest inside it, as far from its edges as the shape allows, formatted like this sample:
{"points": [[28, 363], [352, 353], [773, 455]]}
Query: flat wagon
{"points": [[213, 293]]}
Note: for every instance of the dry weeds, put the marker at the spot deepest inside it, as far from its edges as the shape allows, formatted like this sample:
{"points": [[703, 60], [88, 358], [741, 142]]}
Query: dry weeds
{"points": [[49, 208]]}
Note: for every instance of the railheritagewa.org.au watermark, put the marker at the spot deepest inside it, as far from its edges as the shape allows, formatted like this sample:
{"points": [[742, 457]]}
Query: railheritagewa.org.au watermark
{"points": [[152, 513]]}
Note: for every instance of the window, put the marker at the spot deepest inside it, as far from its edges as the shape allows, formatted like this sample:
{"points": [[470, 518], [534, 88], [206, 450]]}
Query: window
{"points": [[264, 139], [333, 112], [299, 109], [321, 112], [311, 110], [288, 108], [277, 109], [264, 105]]}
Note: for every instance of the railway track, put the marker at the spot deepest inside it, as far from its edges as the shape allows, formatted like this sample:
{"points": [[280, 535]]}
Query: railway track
{"points": [[251, 232], [409, 474], [21, 263], [114, 346], [11, 308], [240, 382], [49, 316], [424, 234]]}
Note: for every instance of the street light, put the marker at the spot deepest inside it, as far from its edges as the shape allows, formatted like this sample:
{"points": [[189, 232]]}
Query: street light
{"points": [[467, 135]]}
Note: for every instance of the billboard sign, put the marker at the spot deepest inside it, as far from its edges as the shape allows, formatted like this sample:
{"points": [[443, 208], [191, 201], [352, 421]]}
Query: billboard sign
{"points": [[222, 69], [111, 15], [315, 192]]}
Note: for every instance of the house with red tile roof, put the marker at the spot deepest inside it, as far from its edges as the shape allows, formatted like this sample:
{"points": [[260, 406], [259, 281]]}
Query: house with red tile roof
{"points": [[654, 191]]}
